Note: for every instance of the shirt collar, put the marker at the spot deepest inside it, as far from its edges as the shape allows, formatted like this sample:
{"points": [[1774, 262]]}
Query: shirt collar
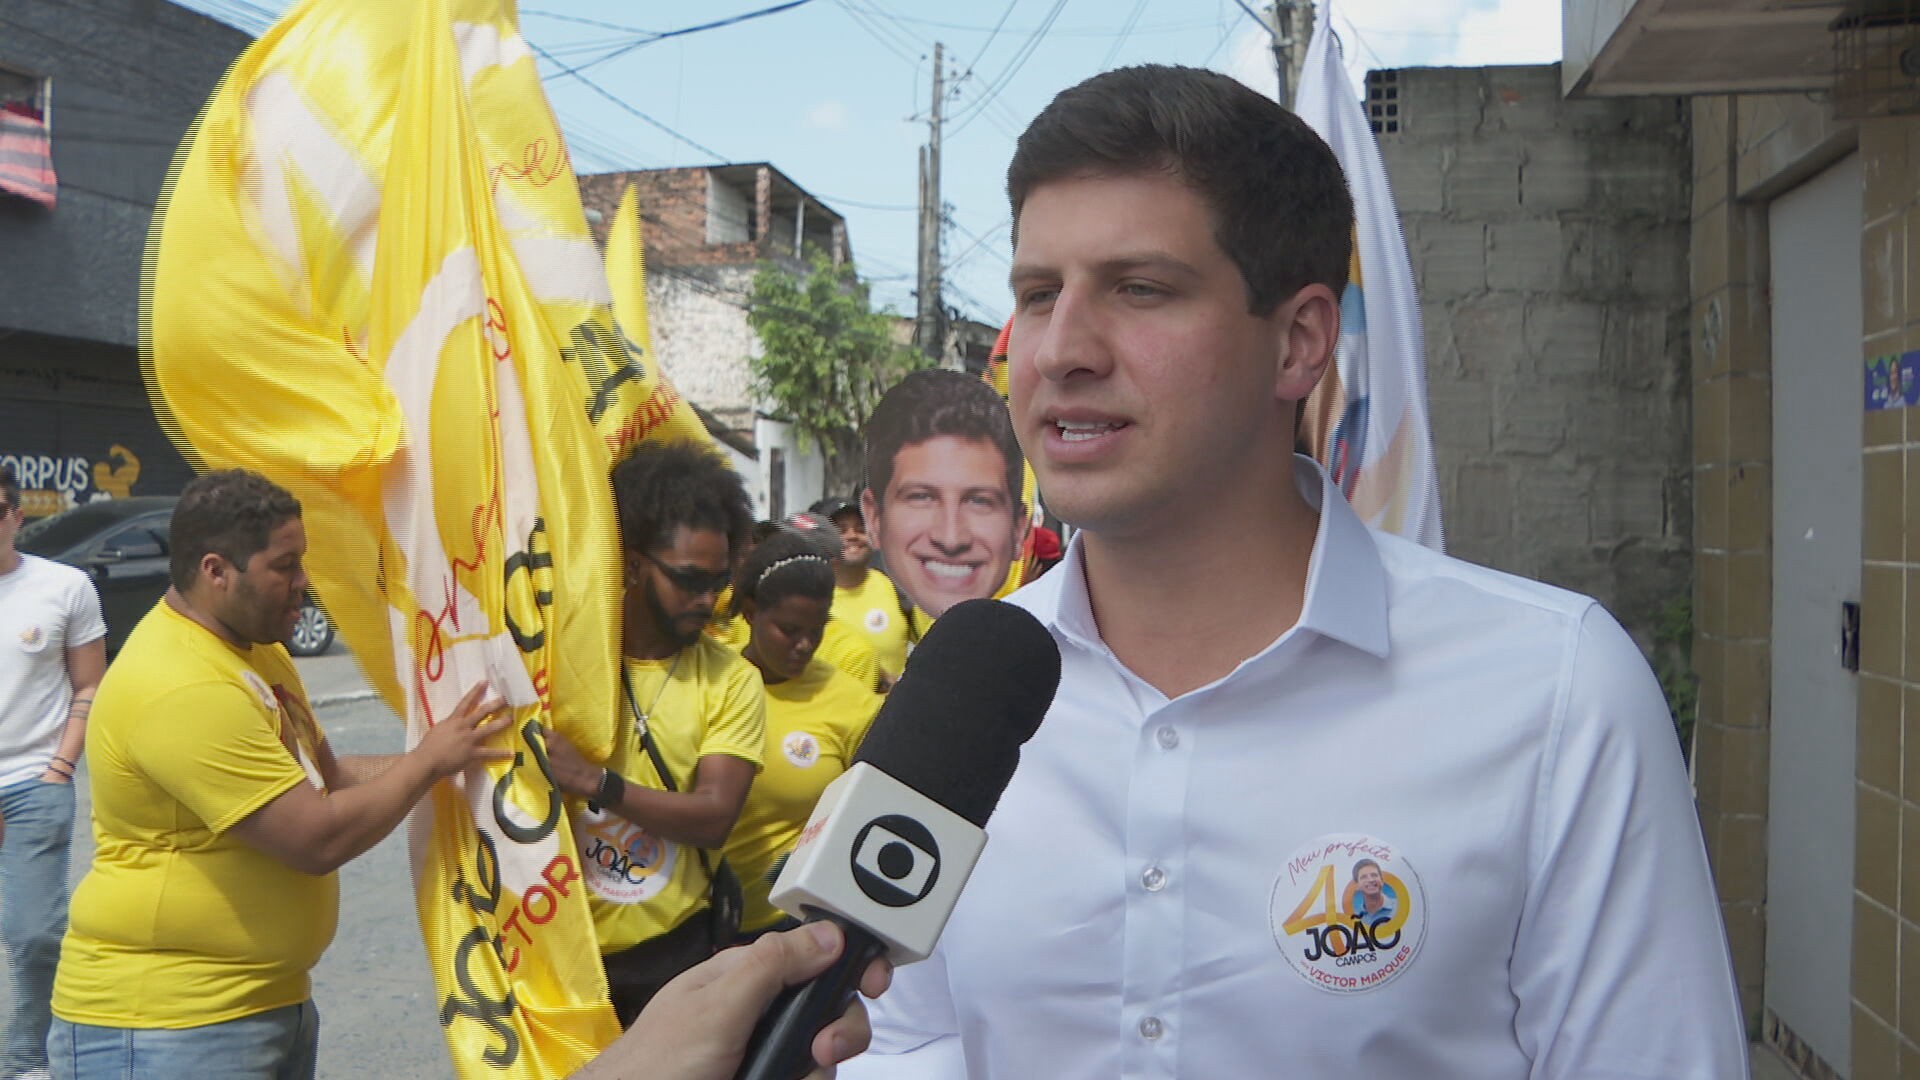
{"points": [[1346, 597]]}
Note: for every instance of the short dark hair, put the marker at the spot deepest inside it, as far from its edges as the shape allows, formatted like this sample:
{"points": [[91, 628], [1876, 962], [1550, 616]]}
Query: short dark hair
{"points": [[801, 571], [662, 487], [928, 404], [231, 513], [9, 486], [1362, 864], [1280, 204]]}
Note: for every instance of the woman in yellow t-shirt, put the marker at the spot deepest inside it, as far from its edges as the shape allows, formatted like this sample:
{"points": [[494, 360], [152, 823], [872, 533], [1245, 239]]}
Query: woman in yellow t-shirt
{"points": [[816, 714]]}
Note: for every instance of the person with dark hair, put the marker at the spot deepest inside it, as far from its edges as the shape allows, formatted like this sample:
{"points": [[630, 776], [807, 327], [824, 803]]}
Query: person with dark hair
{"points": [[816, 713], [841, 644], [1372, 899], [691, 734], [943, 497], [863, 596], [221, 815], [52, 653], [1179, 833]]}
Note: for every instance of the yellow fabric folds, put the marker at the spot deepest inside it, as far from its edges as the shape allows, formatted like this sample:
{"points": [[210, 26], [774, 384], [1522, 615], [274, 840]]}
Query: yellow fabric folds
{"points": [[371, 280]]}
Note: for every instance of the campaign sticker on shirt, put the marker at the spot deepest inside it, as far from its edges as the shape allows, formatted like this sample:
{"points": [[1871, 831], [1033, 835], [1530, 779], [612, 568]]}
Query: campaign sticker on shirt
{"points": [[801, 749], [623, 863], [268, 699], [877, 620], [33, 639], [1348, 912]]}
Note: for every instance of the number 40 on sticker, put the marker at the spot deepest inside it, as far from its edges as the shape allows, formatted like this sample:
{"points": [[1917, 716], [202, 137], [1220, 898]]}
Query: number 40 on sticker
{"points": [[1335, 928]]}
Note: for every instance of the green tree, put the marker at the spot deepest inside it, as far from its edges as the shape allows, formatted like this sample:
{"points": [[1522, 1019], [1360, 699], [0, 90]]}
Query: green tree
{"points": [[826, 357]]}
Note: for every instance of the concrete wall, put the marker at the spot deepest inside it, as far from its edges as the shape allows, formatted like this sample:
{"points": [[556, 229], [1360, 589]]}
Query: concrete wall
{"points": [[128, 78], [1549, 240]]}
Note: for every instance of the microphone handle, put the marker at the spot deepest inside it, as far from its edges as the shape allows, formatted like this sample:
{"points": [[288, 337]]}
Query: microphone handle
{"points": [[782, 1044]]}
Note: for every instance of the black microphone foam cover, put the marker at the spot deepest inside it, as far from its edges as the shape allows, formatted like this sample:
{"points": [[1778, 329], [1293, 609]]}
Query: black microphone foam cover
{"points": [[975, 688]]}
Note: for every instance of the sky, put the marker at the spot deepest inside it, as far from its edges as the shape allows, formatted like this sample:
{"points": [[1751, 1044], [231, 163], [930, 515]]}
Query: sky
{"points": [[835, 93]]}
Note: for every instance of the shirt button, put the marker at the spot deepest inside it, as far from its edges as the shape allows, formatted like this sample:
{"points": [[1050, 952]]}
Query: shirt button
{"points": [[1154, 880], [1151, 1028], [1168, 738]]}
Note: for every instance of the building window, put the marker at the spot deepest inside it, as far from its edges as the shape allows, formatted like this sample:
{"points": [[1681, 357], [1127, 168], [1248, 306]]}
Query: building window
{"points": [[26, 136], [729, 212]]}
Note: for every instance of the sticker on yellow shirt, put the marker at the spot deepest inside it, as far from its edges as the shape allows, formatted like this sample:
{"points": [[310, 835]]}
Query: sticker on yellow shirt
{"points": [[624, 863], [801, 749], [1348, 912]]}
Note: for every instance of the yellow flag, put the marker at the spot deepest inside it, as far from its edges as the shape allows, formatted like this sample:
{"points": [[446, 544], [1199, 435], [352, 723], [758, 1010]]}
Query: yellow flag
{"points": [[662, 414], [371, 280]]}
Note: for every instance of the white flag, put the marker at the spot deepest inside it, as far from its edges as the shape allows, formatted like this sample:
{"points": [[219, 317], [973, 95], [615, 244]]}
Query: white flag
{"points": [[1367, 421]]}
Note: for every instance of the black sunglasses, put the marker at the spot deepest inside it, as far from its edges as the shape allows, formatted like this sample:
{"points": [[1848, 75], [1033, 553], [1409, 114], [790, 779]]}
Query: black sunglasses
{"points": [[691, 580]]}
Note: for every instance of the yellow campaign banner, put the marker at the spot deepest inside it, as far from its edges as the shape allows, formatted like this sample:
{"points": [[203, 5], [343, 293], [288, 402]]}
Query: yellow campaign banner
{"points": [[664, 415], [370, 279], [1026, 567]]}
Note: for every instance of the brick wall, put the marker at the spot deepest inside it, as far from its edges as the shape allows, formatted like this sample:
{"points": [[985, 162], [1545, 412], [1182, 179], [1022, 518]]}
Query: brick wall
{"points": [[1549, 241]]}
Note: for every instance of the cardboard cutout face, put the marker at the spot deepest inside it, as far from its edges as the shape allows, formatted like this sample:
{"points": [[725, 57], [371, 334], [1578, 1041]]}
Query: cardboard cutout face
{"points": [[943, 505], [947, 525]]}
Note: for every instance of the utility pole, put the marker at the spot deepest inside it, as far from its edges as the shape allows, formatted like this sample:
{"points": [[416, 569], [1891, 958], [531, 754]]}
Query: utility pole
{"points": [[930, 322], [1289, 40]]}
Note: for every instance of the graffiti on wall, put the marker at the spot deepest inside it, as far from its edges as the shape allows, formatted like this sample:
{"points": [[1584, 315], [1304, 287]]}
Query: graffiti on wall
{"points": [[51, 484]]}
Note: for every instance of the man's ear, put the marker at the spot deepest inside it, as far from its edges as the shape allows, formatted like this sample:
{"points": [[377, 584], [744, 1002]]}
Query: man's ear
{"points": [[215, 570], [1308, 329]]}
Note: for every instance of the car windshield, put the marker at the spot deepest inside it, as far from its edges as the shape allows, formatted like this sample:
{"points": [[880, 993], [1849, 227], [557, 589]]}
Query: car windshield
{"points": [[50, 536]]}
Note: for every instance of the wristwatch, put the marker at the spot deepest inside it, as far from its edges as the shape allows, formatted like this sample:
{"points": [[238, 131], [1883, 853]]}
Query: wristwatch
{"points": [[612, 789]]}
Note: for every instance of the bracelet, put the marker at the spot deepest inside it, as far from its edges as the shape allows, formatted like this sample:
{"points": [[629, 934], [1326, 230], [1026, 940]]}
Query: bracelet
{"points": [[63, 772], [610, 793], [64, 761]]}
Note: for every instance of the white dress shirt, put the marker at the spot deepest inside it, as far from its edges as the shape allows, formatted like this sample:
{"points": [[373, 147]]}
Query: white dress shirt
{"points": [[1158, 871]]}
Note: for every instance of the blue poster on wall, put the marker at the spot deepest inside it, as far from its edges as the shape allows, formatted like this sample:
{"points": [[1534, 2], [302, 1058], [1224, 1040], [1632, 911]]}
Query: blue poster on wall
{"points": [[1893, 382]]}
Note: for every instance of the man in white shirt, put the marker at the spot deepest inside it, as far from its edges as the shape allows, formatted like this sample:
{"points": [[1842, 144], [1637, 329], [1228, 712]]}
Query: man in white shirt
{"points": [[52, 654], [1173, 882]]}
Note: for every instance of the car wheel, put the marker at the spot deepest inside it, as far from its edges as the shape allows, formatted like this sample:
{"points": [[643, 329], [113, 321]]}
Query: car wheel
{"points": [[312, 633]]}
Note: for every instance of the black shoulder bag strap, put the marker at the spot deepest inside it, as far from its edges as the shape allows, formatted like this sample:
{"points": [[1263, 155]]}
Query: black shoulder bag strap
{"points": [[714, 884]]}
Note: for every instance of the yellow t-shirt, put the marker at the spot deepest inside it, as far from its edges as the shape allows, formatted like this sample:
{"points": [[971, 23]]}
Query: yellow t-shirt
{"points": [[850, 651], [638, 885], [874, 609], [814, 724], [178, 924]]}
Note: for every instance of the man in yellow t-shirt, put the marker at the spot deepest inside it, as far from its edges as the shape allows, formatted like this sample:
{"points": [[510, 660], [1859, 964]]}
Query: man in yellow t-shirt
{"points": [[220, 814], [642, 835], [863, 597]]}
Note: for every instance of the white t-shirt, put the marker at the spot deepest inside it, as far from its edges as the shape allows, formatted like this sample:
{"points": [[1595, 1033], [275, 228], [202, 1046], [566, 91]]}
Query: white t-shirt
{"points": [[1440, 829], [46, 608]]}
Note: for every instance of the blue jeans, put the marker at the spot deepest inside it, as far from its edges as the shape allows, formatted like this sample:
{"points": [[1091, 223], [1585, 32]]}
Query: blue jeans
{"points": [[279, 1044], [33, 911]]}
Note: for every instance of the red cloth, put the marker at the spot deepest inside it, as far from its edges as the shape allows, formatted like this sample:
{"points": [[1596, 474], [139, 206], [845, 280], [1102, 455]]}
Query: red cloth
{"points": [[26, 154], [1044, 544]]}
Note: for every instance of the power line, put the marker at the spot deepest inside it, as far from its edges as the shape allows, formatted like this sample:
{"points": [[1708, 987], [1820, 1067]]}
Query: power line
{"points": [[629, 109], [1126, 31], [714, 25], [994, 33], [1019, 60]]}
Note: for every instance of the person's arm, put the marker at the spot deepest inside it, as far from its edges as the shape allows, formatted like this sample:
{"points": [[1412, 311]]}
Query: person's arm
{"points": [[701, 816], [697, 1026], [318, 833], [353, 770], [86, 665], [1620, 965]]}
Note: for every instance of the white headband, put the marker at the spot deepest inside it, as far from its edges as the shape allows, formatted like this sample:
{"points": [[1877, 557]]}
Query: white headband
{"points": [[788, 561]]}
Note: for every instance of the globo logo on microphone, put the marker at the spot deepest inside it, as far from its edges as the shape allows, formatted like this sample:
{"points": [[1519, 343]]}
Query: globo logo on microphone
{"points": [[896, 860]]}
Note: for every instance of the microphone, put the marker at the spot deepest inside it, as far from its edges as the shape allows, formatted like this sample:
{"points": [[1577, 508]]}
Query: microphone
{"points": [[893, 839]]}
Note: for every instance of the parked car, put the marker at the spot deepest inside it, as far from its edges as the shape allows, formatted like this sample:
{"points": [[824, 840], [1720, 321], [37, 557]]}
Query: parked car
{"points": [[123, 545]]}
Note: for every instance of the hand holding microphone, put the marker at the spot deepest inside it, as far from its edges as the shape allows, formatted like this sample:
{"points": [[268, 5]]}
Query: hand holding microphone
{"points": [[893, 840]]}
